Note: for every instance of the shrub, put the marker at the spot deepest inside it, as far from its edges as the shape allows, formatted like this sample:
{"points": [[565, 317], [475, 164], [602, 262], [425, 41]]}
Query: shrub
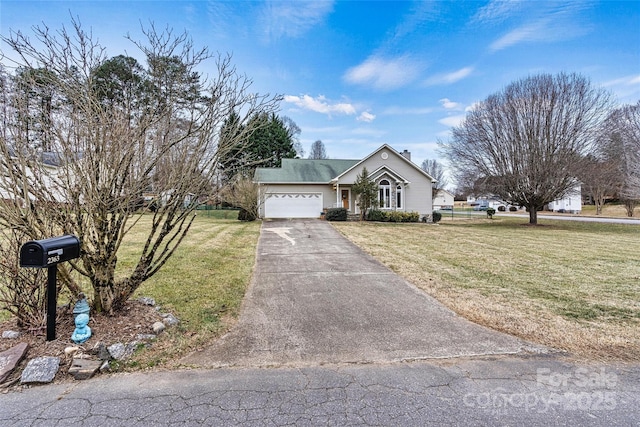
{"points": [[512, 208], [336, 214], [502, 208], [377, 215], [395, 216], [245, 215], [491, 212], [411, 217], [436, 217]]}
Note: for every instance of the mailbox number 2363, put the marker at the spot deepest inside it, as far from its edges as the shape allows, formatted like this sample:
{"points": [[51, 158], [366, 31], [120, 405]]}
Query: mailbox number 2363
{"points": [[53, 259]]}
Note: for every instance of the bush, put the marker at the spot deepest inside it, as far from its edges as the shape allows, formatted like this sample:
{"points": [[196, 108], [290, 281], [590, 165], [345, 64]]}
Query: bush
{"points": [[436, 217], [395, 216], [491, 212], [512, 208], [245, 215], [502, 208], [377, 215], [336, 214], [411, 217], [392, 216]]}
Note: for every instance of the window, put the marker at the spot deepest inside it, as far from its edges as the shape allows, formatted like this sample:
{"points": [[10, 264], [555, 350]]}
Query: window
{"points": [[399, 197], [384, 194]]}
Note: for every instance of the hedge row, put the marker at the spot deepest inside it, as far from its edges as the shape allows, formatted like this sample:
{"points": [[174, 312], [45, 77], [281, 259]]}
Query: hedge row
{"points": [[392, 216]]}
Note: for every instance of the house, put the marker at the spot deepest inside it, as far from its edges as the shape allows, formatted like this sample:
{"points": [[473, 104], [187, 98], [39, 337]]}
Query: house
{"points": [[484, 201], [443, 200], [570, 203], [304, 188]]}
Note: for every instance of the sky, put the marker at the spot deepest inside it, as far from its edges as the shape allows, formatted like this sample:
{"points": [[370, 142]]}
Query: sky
{"points": [[359, 74]]}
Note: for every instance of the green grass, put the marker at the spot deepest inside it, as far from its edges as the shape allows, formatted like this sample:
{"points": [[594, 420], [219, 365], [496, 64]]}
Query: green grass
{"points": [[571, 285], [204, 282]]}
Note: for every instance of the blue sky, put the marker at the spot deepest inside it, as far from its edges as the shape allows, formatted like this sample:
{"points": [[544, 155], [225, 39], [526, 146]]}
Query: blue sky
{"points": [[358, 74]]}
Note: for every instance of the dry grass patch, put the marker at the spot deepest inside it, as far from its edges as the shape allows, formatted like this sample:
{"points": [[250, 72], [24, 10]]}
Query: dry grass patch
{"points": [[572, 286]]}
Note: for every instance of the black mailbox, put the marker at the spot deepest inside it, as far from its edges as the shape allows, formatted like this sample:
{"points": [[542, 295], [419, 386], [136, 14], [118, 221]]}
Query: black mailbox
{"points": [[49, 252]]}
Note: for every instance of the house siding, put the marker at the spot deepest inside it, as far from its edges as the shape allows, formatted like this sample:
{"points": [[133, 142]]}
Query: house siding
{"points": [[417, 194]]}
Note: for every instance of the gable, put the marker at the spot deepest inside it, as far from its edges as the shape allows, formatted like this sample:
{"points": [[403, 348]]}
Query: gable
{"points": [[393, 163]]}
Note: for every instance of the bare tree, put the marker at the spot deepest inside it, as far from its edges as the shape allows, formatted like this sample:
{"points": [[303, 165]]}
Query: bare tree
{"points": [[294, 133], [436, 170], [108, 151], [621, 134], [243, 193], [600, 178], [317, 152], [527, 142]]}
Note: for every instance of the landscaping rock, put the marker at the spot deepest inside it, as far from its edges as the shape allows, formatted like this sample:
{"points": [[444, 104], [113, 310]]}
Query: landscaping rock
{"points": [[169, 319], [82, 368], [147, 301], [11, 335], [117, 351], [158, 327], [40, 370], [9, 359], [101, 351], [105, 367], [121, 351]]}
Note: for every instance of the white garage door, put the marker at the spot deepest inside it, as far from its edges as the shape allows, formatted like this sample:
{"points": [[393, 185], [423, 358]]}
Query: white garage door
{"points": [[293, 205]]}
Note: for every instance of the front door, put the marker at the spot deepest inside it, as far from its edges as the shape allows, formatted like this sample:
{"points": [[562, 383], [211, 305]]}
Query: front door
{"points": [[345, 199]]}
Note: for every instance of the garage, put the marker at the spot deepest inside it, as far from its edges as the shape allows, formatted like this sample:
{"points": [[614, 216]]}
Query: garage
{"points": [[293, 205]]}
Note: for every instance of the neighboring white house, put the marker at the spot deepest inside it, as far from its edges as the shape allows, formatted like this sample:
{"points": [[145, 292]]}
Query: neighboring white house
{"points": [[485, 201], [570, 203], [443, 200], [303, 188]]}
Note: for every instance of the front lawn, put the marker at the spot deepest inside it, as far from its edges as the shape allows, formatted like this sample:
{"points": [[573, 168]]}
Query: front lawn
{"points": [[204, 282], [569, 285]]}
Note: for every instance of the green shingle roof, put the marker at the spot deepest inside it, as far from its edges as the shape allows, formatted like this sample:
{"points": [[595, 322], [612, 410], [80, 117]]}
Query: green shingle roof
{"points": [[304, 170]]}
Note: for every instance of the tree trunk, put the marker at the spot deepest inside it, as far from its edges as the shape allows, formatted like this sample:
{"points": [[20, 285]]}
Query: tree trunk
{"points": [[630, 206], [533, 215], [105, 292]]}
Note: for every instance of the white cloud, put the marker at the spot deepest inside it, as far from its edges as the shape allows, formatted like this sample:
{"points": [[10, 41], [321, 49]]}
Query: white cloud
{"points": [[292, 19], [366, 117], [320, 105], [449, 104], [626, 89], [623, 81], [384, 74], [448, 78], [472, 106], [545, 22], [535, 31], [452, 120], [497, 11]]}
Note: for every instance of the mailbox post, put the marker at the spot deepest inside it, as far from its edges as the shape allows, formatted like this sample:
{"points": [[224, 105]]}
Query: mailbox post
{"points": [[48, 253]]}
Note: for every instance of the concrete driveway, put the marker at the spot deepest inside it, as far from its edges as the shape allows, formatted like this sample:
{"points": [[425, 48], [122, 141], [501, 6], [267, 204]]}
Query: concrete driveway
{"points": [[316, 298]]}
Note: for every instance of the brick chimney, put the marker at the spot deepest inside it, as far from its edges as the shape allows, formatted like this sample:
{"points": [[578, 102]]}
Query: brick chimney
{"points": [[406, 154]]}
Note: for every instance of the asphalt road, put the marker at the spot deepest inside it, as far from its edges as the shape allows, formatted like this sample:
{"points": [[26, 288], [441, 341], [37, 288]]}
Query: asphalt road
{"points": [[328, 336], [565, 217], [507, 391]]}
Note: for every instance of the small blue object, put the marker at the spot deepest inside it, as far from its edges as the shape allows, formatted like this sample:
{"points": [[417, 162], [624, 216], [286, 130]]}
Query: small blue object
{"points": [[82, 331], [81, 307]]}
